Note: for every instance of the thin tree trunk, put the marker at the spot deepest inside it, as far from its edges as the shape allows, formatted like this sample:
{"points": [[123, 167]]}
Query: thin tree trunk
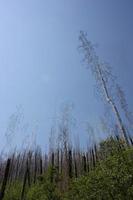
{"points": [[70, 163], [84, 164], [41, 171], [114, 107], [96, 67], [3, 187], [24, 181], [52, 168], [75, 165], [35, 168]]}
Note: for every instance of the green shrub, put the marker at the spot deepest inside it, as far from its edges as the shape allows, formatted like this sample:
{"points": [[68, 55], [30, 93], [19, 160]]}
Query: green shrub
{"points": [[44, 189], [13, 192], [111, 179]]}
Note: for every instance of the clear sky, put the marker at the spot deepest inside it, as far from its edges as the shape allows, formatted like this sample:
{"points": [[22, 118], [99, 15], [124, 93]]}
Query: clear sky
{"points": [[40, 67]]}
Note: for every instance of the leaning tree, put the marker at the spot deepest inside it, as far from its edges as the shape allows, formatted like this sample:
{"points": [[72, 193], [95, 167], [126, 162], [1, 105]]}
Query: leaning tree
{"points": [[104, 78]]}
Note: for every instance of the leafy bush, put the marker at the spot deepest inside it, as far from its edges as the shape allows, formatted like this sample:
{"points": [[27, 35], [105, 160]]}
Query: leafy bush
{"points": [[13, 192], [44, 189], [111, 179]]}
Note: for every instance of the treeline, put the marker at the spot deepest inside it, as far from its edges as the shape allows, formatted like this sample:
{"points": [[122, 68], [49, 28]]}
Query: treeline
{"points": [[63, 165]]}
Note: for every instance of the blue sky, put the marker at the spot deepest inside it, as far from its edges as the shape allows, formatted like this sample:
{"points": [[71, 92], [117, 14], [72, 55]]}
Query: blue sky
{"points": [[41, 69]]}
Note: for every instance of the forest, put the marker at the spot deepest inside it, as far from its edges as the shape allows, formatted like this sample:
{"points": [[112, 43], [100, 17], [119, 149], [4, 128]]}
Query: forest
{"points": [[100, 171]]}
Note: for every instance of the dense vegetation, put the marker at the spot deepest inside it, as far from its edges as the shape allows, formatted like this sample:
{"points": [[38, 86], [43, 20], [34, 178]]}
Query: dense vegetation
{"points": [[106, 174]]}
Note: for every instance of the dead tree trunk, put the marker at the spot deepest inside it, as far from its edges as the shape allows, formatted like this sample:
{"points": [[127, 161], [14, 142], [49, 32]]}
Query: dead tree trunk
{"points": [[24, 181], [103, 76], [52, 168], [75, 164], [35, 167], [41, 170], [70, 163], [113, 105], [84, 164], [4, 183]]}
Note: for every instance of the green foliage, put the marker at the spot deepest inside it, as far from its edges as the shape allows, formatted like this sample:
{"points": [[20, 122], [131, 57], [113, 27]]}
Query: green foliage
{"points": [[110, 146], [112, 179], [45, 188], [13, 192]]}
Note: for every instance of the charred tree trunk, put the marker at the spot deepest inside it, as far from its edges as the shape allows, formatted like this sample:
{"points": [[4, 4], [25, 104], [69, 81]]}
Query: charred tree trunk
{"points": [[84, 164], [35, 168], [88, 161], [61, 162], [70, 164], [4, 183], [93, 158], [58, 161], [24, 181], [41, 171], [52, 168], [75, 165]]}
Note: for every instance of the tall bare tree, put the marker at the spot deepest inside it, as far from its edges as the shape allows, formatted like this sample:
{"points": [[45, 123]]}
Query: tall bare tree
{"points": [[104, 78], [124, 105]]}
